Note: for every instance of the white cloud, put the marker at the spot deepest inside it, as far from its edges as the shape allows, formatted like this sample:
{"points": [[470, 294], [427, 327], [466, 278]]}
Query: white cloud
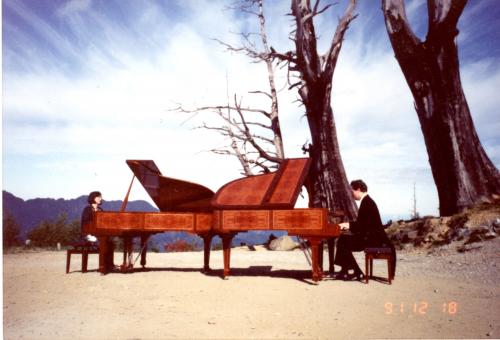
{"points": [[55, 40], [119, 111], [73, 6]]}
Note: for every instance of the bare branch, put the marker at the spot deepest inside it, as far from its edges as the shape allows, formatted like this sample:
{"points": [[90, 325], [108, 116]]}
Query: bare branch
{"points": [[219, 108], [261, 92], [251, 138], [264, 167], [331, 57], [287, 56], [244, 6], [264, 126], [251, 52], [445, 13], [249, 146], [396, 20], [294, 85]]}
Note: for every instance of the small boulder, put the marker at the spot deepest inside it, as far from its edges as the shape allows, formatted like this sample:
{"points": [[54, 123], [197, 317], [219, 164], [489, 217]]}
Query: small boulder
{"points": [[283, 243]]}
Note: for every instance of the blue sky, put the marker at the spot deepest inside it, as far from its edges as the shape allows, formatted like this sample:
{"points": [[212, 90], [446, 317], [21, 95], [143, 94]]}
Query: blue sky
{"points": [[88, 84]]}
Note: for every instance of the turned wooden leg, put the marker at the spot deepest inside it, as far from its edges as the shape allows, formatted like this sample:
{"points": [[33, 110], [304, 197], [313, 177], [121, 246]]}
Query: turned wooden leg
{"points": [[226, 248], [127, 254], [331, 254], [130, 260], [320, 258], [144, 249], [111, 254], [103, 254], [207, 243], [125, 250], [316, 276]]}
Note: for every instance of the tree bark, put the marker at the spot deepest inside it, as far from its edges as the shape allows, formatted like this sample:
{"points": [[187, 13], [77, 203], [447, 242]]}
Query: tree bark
{"points": [[463, 173], [327, 184]]}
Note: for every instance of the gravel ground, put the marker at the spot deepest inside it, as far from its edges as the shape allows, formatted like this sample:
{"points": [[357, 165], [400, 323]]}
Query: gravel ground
{"points": [[441, 294]]}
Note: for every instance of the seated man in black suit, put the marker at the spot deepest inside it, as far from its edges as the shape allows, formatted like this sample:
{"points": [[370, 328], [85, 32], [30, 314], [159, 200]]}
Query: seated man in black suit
{"points": [[366, 231]]}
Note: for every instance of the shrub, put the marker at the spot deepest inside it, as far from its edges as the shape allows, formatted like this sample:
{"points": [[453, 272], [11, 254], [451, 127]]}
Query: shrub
{"points": [[180, 246], [217, 246], [11, 231], [49, 233]]}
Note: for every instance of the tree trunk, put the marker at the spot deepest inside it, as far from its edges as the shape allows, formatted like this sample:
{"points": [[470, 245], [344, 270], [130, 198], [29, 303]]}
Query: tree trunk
{"points": [[463, 173], [327, 184]]}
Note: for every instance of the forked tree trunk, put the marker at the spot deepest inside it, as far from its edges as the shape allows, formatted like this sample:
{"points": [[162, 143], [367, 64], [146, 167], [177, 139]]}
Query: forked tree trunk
{"points": [[463, 173], [327, 184]]}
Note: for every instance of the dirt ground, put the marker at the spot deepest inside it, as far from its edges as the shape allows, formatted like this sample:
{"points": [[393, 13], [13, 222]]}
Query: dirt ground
{"points": [[444, 294]]}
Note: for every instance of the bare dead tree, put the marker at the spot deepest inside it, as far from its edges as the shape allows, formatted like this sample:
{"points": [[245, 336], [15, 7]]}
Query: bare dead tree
{"points": [[254, 134], [263, 56], [327, 184], [463, 173], [251, 148], [414, 212]]}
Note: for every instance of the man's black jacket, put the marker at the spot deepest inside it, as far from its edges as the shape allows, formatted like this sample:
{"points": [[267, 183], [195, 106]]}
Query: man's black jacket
{"points": [[369, 224], [368, 227]]}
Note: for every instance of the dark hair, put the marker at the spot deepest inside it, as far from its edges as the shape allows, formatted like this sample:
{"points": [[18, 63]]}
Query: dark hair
{"points": [[359, 184], [92, 196]]}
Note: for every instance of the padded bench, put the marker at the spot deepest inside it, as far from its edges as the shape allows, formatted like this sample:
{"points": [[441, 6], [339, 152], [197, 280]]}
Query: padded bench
{"points": [[84, 248], [381, 253]]}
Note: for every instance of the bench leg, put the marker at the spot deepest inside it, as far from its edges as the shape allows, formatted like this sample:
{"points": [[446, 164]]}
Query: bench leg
{"points": [[367, 268], [389, 271]]}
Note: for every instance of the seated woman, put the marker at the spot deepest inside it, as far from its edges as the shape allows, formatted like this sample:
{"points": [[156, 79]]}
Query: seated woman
{"points": [[366, 231], [94, 200]]}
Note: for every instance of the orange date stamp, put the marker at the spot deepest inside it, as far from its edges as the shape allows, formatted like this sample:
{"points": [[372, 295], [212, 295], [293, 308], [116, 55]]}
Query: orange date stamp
{"points": [[420, 308]]}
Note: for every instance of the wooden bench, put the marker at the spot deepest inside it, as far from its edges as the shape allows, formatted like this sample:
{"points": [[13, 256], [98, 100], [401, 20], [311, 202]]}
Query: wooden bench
{"points": [[382, 253], [84, 248]]}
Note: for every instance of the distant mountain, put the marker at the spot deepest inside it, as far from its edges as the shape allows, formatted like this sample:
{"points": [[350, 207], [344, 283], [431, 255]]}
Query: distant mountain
{"points": [[32, 212]]}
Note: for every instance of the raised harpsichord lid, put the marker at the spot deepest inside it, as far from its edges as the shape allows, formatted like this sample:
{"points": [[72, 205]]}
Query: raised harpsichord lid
{"points": [[170, 194], [276, 190]]}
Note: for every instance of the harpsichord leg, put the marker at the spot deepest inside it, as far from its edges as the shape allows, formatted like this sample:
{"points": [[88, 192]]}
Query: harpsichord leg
{"points": [[127, 264], [316, 274], [144, 249], [331, 251], [226, 247], [207, 243], [320, 257], [103, 254], [125, 248]]}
